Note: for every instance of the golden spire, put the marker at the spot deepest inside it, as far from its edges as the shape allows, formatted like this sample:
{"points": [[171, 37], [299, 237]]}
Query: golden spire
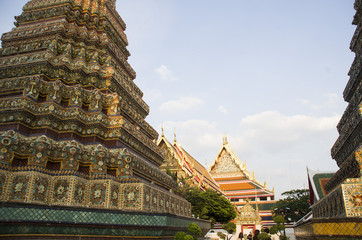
{"points": [[163, 134], [225, 140], [174, 135], [264, 184]]}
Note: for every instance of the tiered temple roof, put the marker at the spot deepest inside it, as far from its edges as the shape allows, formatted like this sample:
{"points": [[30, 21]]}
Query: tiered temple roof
{"points": [[239, 184], [181, 163]]}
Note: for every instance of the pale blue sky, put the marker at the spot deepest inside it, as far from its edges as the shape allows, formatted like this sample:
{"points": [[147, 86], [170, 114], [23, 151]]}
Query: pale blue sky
{"points": [[269, 74]]}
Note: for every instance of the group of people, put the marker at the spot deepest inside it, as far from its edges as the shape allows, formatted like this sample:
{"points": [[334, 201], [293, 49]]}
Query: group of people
{"points": [[242, 236]]}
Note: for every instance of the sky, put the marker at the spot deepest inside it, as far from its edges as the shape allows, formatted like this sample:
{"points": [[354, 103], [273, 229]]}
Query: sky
{"points": [[268, 74]]}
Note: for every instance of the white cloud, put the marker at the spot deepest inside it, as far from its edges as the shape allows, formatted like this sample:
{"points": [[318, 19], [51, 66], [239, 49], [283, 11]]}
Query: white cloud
{"points": [[166, 74], [222, 109], [151, 94], [275, 121], [330, 101], [182, 104], [276, 146]]}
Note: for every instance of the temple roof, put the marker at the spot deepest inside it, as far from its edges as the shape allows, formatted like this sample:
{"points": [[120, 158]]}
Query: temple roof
{"points": [[228, 167], [317, 181], [189, 164]]}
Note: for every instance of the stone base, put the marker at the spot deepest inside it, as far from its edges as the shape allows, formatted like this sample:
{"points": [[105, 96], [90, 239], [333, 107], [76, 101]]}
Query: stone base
{"points": [[329, 228], [48, 222]]}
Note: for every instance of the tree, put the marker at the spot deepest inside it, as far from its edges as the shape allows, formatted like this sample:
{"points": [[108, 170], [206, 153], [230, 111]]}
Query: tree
{"points": [[296, 202], [180, 235], [279, 226], [194, 229], [210, 205], [229, 226]]}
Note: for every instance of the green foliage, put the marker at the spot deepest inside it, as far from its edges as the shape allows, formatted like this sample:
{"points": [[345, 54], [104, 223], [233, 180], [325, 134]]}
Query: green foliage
{"points": [[188, 237], [297, 201], [274, 229], [180, 235], [173, 175], [278, 219], [263, 236], [221, 235], [194, 229], [210, 205], [279, 225], [229, 226]]}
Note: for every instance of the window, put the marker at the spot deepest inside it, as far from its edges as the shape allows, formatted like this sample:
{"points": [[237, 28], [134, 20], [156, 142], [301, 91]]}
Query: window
{"points": [[53, 165], [64, 102], [85, 169], [19, 161], [42, 97], [112, 171], [85, 106]]}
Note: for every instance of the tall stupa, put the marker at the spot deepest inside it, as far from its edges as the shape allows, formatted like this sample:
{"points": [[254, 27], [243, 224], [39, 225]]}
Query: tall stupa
{"points": [[77, 158]]}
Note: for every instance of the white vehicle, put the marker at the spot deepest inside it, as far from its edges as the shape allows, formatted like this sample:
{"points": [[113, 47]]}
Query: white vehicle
{"points": [[212, 234]]}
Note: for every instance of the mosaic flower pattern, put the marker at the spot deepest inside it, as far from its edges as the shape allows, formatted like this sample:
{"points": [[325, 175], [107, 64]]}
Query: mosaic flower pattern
{"points": [[40, 189], [114, 196], [19, 187], [131, 197], [98, 194], [79, 193], [61, 189]]}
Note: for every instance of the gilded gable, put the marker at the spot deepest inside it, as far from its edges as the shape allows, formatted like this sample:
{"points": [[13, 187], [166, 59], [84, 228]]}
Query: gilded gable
{"points": [[225, 163]]}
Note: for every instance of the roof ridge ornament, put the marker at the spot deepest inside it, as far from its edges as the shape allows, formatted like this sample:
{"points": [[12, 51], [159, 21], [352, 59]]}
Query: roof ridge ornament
{"points": [[174, 135], [225, 140]]}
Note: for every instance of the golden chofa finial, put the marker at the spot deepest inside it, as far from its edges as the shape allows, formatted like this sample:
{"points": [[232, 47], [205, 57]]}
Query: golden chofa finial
{"points": [[225, 140], [163, 134], [174, 135]]}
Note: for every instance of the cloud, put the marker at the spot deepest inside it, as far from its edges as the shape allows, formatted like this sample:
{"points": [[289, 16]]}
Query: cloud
{"points": [[274, 131], [166, 74], [330, 101], [278, 147], [182, 104], [151, 94], [222, 109]]}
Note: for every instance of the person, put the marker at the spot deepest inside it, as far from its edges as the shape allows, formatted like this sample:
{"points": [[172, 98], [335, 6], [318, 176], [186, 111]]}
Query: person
{"points": [[266, 230], [245, 237], [250, 236], [230, 236], [240, 237], [256, 234]]}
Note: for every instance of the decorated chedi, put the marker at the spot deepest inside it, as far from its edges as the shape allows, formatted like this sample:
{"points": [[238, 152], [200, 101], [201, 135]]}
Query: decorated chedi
{"points": [[338, 215], [73, 132]]}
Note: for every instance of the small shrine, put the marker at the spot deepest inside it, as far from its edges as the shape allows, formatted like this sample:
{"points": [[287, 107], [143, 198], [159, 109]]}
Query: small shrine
{"points": [[248, 219]]}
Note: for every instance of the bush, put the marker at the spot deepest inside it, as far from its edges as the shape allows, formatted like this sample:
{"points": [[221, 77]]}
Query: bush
{"points": [[194, 229], [180, 235], [221, 235], [188, 237], [263, 236], [229, 226]]}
